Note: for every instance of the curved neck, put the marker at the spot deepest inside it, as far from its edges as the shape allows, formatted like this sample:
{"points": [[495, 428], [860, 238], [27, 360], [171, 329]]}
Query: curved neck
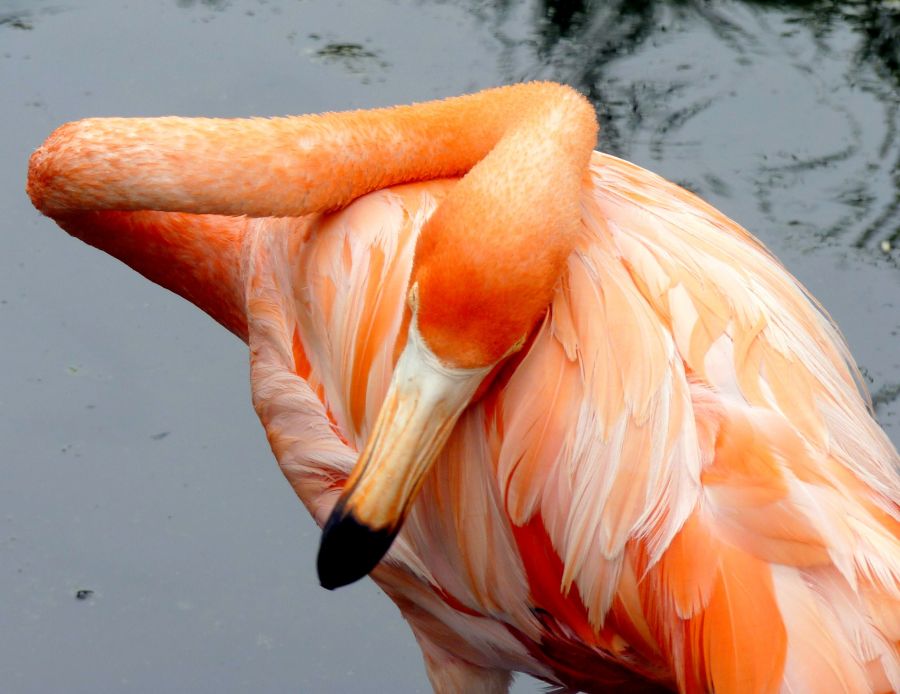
{"points": [[295, 165], [486, 262]]}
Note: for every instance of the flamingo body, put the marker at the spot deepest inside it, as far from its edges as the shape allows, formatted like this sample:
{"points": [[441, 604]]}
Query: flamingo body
{"points": [[673, 483]]}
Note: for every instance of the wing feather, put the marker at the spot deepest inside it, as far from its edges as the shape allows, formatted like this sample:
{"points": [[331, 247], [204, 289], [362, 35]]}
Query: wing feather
{"points": [[713, 425]]}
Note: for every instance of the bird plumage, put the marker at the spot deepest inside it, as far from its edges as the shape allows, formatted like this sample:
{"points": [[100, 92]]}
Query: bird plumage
{"points": [[675, 483]]}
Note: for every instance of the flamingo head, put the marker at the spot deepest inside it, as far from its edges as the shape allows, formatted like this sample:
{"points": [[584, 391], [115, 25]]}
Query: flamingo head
{"points": [[472, 304]]}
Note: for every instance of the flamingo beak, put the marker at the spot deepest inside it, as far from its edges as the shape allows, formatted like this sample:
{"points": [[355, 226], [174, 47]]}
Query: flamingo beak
{"points": [[424, 400]]}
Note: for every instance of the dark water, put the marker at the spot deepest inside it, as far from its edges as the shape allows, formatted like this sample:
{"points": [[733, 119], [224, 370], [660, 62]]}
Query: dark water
{"points": [[132, 463]]}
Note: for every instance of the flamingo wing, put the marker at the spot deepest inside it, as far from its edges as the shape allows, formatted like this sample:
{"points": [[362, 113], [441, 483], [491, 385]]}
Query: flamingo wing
{"points": [[687, 431]]}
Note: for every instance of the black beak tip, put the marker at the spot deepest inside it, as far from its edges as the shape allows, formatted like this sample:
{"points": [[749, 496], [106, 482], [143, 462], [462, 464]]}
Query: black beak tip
{"points": [[349, 549]]}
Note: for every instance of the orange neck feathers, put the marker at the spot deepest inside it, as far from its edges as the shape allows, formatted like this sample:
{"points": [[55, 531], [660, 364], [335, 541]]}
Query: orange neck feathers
{"points": [[485, 264], [487, 261]]}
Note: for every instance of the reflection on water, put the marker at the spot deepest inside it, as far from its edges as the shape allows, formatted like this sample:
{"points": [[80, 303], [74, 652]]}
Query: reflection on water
{"points": [[876, 23], [837, 47], [211, 4], [353, 57]]}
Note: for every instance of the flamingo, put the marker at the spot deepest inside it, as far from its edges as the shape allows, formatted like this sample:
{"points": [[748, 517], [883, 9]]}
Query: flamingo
{"points": [[573, 420]]}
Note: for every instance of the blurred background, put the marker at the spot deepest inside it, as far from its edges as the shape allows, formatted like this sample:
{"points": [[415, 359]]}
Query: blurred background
{"points": [[148, 541]]}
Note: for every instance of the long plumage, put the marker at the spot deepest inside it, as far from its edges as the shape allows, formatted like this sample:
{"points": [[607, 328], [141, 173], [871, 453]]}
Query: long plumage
{"points": [[675, 484]]}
